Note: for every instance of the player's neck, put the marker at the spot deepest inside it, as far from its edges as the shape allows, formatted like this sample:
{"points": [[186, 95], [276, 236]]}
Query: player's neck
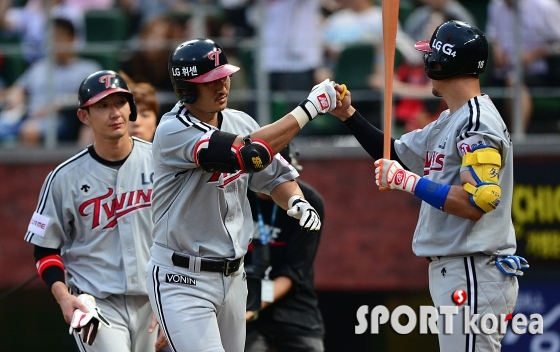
{"points": [[458, 91], [208, 117], [114, 150]]}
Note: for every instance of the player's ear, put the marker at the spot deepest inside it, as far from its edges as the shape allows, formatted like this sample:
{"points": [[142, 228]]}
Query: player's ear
{"points": [[83, 115]]}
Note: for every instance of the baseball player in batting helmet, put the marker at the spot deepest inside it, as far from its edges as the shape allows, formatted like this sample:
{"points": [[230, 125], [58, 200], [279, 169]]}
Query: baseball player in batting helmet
{"points": [[92, 228], [206, 156], [461, 167]]}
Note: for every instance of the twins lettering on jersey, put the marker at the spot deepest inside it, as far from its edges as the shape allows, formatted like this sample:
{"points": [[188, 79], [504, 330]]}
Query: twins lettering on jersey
{"points": [[108, 208], [434, 162]]}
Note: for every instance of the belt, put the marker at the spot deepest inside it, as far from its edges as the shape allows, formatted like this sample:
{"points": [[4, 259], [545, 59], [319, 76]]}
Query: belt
{"points": [[227, 267], [431, 259]]}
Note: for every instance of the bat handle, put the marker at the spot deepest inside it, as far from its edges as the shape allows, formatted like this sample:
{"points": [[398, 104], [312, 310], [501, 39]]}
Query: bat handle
{"points": [[344, 89]]}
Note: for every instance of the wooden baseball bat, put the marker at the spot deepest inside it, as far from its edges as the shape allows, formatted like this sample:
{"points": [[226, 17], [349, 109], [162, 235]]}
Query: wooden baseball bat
{"points": [[390, 16]]}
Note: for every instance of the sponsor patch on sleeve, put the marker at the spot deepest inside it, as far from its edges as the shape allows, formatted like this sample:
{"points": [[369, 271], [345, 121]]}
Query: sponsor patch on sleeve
{"points": [[38, 224], [467, 145]]}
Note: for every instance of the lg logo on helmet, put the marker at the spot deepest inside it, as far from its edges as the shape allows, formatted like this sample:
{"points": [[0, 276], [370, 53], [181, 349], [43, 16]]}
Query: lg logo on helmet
{"points": [[446, 48]]}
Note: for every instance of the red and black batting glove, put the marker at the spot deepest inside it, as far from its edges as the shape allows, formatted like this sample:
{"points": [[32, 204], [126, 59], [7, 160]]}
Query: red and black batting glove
{"points": [[87, 324]]}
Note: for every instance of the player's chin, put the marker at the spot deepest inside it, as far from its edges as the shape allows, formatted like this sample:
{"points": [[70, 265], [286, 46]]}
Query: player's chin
{"points": [[222, 102]]}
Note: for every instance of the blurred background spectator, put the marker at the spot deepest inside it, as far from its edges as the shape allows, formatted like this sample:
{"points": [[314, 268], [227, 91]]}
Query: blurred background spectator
{"points": [[417, 20], [143, 11], [359, 21], [29, 23], [353, 43], [539, 26], [28, 97], [292, 43], [87, 5], [147, 54], [235, 17]]}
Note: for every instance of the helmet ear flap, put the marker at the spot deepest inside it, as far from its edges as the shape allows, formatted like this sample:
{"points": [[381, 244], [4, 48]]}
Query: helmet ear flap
{"points": [[133, 108]]}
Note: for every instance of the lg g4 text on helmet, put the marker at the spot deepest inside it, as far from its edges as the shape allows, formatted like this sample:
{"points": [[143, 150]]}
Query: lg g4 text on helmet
{"points": [[456, 48], [197, 61], [100, 84]]}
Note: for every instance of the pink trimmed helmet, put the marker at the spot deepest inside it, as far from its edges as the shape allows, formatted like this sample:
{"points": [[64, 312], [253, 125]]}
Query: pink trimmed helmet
{"points": [[100, 84], [197, 61]]}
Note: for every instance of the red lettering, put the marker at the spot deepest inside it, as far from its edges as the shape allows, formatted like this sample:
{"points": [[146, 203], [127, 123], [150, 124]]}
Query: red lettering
{"points": [[96, 207], [434, 162], [141, 196], [115, 207]]}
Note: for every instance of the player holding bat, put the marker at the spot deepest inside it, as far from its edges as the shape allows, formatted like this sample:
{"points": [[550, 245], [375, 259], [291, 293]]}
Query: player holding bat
{"points": [[461, 167]]}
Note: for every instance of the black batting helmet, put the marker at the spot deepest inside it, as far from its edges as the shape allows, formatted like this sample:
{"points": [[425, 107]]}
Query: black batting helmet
{"points": [[197, 61], [456, 48], [100, 84]]}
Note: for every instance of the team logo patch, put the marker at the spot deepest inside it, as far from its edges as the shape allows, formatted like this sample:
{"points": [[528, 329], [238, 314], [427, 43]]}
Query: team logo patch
{"points": [[215, 55], [399, 177], [323, 101], [468, 144], [180, 279], [257, 162]]}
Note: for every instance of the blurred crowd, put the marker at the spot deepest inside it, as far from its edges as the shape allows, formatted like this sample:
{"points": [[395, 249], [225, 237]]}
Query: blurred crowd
{"points": [[302, 42]]}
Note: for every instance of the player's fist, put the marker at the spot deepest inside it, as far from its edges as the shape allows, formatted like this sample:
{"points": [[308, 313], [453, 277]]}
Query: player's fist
{"points": [[321, 100], [390, 174], [87, 324], [323, 97], [300, 209]]}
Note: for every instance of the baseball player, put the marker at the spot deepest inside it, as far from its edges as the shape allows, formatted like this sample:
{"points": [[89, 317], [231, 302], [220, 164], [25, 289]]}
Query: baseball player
{"points": [[93, 224], [461, 167], [206, 157]]}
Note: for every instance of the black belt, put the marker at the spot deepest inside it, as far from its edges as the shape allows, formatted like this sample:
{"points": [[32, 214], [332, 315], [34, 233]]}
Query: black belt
{"points": [[227, 267], [430, 259]]}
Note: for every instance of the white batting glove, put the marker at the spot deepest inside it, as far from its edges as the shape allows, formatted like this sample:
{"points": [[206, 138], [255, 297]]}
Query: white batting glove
{"points": [[512, 265], [87, 324], [390, 174], [302, 210], [321, 100]]}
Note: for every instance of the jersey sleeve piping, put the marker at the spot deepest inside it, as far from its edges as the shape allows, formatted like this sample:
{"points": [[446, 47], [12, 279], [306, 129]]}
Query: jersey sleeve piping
{"points": [[48, 185], [184, 118], [474, 118]]}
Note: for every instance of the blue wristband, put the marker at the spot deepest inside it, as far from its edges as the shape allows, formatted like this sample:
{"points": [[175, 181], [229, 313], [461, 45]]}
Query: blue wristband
{"points": [[432, 193]]}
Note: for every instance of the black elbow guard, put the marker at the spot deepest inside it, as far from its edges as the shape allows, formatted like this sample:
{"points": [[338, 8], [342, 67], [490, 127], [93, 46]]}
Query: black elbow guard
{"points": [[253, 155], [216, 154]]}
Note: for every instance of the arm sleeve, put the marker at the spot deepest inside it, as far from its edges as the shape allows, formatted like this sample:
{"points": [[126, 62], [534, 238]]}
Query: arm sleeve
{"points": [[369, 137], [53, 271]]}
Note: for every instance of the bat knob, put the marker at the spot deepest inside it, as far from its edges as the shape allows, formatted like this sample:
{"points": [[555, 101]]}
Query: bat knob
{"points": [[344, 89]]}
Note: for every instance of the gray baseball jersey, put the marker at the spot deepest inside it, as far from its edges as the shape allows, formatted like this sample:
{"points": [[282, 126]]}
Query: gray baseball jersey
{"points": [[205, 216], [436, 152], [202, 213], [100, 217]]}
